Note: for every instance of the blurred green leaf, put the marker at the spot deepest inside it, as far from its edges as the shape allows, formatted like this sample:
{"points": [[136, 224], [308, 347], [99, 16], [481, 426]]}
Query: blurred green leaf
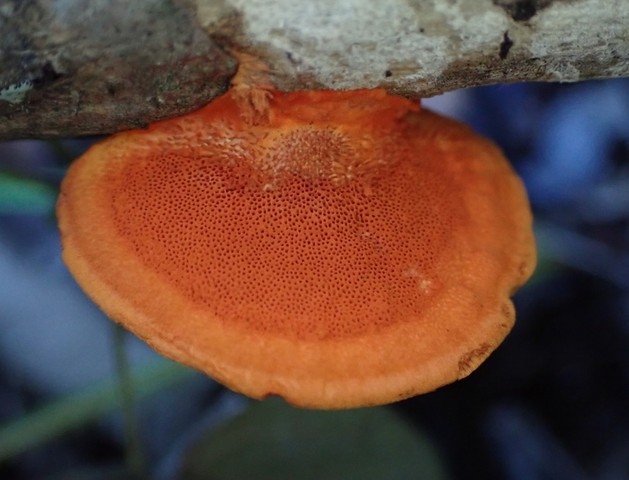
{"points": [[25, 196], [78, 409], [272, 440]]}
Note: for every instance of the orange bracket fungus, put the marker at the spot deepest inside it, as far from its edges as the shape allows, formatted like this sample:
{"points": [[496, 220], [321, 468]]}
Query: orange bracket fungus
{"points": [[339, 249]]}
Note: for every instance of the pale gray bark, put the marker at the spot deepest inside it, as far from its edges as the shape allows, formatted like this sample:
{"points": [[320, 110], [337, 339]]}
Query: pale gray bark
{"points": [[73, 67]]}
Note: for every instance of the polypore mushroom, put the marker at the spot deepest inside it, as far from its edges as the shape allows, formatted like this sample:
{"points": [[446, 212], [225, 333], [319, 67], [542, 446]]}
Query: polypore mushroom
{"points": [[348, 249]]}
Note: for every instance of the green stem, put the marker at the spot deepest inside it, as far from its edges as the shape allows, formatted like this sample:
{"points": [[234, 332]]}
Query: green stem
{"points": [[78, 409], [133, 443]]}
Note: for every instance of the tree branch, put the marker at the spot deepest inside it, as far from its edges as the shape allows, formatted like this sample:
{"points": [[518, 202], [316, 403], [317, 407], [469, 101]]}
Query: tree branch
{"points": [[75, 67]]}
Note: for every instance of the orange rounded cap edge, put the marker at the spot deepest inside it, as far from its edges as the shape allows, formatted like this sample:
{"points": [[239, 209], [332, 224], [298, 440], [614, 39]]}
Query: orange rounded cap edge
{"points": [[351, 250]]}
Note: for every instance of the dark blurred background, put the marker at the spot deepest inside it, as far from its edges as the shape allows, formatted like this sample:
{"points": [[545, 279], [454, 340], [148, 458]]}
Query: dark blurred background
{"points": [[551, 403]]}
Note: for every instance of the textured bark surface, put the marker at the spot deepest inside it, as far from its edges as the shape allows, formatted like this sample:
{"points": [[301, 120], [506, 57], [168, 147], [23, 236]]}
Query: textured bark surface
{"points": [[76, 67], [426, 47], [80, 67]]}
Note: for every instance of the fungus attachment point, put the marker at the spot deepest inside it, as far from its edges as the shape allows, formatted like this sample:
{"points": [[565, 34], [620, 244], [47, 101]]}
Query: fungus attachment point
{"points": [[350, 250]]}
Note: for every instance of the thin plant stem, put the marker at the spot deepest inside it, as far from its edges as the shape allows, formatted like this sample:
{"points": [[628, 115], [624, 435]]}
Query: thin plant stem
{"points": [[78, 409], [133, 445]]}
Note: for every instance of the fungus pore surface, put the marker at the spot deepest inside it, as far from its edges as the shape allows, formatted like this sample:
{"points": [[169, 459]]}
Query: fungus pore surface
{"points": [[343, 249]]}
